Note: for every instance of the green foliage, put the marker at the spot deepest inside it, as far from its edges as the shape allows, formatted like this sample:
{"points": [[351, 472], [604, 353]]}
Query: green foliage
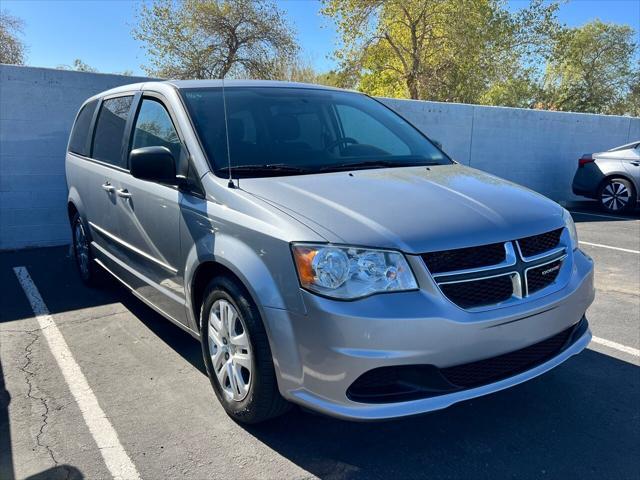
{"points": [[12, 48], [78, 66], [214, 38], [593, 70], [479, 51], [447, 50], [294, 70]]}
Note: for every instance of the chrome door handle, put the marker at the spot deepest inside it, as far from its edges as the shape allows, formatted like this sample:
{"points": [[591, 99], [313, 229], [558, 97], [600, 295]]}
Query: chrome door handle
{"points": [[107, 187], [124, 193]]}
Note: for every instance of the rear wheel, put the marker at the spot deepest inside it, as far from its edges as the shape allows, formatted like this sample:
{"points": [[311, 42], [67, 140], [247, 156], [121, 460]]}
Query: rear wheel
{"points": [[237, 354], [617, 195], [87, 268]]}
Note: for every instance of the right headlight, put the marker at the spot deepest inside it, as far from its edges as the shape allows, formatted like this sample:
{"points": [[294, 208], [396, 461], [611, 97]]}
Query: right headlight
{"points": [[348, 273], [571, 228]]}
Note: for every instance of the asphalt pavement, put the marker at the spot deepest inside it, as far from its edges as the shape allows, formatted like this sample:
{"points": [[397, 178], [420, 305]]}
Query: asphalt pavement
{"points": [[581, 420]]}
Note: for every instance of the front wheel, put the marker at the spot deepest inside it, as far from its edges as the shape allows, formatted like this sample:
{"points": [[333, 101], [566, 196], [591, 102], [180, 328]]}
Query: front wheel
{"points": [[237, 354], [617, 195]]}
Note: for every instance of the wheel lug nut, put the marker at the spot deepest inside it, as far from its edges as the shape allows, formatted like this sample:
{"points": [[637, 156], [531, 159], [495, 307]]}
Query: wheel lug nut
{"points": [[224, 340], [226, 356]]}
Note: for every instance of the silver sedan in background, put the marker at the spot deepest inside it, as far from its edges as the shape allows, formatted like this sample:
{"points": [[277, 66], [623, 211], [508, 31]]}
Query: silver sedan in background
{"points": [[611, 177]]}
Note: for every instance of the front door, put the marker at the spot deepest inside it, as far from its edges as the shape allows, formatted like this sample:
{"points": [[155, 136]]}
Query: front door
{"points": [[149, 218]]}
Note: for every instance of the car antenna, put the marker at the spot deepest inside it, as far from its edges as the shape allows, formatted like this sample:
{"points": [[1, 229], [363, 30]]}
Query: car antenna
{"points": [[226, 130]]}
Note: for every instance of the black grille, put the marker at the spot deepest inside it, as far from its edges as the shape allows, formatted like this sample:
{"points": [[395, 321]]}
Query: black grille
{"points": [[476, 293], [463, 258], [503, 366], [530, 246], [542, 276]]}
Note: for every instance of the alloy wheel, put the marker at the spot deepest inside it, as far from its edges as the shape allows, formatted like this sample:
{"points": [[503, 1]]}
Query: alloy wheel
{"points": [[230, 350], [615, 196]]}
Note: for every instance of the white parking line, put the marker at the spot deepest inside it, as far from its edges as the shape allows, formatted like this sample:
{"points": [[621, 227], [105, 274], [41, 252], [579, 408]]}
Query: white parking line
{"points": [[114, 455], [573, 212], [616, 346], [628, 250]]}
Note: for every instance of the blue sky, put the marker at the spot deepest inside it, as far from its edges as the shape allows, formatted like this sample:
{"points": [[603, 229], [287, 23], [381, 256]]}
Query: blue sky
{"points": [[99, 31]]}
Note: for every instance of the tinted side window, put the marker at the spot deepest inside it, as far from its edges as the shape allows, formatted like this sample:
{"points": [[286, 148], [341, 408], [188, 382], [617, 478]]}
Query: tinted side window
{"points": [[107, 141], [154, 128], [367, 130], [80, 132]]}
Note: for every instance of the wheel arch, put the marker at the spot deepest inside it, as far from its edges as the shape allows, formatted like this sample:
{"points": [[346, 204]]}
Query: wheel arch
{"points": [[202, 276], [75, 204], [613, 176], [633, 194], [71, 210], [231, 256]]}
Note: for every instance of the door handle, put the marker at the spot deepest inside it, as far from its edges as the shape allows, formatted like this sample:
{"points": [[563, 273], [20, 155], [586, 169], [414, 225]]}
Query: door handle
{"points": [[635, 164], [124, 193], [107, 187]]}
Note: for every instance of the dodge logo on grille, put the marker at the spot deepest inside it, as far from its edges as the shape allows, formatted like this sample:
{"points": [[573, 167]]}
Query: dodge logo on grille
{"points": [[549, 270]]}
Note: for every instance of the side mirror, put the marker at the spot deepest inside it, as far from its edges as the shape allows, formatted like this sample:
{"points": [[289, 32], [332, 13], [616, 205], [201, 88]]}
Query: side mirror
{"points": [[155, 164]]}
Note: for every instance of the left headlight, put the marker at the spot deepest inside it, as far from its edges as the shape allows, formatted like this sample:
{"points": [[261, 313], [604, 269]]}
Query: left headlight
{"points": [[571, 227], [348, 273]]}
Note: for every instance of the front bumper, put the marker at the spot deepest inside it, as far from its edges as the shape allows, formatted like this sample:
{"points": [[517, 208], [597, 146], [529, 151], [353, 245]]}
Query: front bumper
{"points": [[318, 356]]}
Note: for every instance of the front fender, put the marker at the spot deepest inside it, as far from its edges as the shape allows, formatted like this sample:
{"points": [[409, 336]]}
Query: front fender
{"points": [[250, 267], [260, 260]]}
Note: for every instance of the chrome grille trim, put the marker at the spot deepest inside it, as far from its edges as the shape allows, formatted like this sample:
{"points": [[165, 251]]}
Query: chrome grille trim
{"points": [[560, 259], [542, 255], [515, 265], [509, 261]]}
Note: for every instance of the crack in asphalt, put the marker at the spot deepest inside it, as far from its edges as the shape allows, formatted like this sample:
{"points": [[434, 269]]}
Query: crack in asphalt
{"points": [[29, 375]]}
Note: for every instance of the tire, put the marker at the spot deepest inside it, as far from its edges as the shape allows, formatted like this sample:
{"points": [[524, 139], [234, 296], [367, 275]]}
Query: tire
{"points": [[617, 195], [237, 354], [89, 271]]}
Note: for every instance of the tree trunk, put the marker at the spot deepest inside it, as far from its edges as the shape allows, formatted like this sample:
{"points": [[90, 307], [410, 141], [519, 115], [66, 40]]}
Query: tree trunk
{"points": [[412, 86]]}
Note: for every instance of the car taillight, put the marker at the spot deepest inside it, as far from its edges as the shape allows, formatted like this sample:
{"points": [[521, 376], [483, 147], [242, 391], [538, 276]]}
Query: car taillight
{"points": [[582, 161]]}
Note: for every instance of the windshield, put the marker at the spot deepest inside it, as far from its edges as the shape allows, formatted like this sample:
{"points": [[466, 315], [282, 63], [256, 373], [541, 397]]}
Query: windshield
{"points": [[296, 130]]}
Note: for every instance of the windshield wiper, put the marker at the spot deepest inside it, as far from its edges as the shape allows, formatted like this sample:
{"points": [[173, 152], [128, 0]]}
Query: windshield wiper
{"points": [[376, 164], [262, 168]]}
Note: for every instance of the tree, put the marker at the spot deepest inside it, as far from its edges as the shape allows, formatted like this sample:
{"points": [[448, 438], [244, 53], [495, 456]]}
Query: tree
{"points": [[339, 79], [214, 38], [631, 104], [592, 70], [294, 69], [78, 66], [12, 48], [448, 50], [300, 70]]}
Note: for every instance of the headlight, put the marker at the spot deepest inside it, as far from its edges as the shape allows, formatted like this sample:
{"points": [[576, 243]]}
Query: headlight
{"points": [[351, 272], [571, 227]]}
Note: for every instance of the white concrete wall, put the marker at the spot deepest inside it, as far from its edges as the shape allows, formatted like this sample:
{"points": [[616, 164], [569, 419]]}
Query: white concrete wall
{"points": [[37, 109], [535, 148]]}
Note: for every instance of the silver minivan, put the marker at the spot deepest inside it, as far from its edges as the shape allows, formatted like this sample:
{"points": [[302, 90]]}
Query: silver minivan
{"points": [[325, 252]]}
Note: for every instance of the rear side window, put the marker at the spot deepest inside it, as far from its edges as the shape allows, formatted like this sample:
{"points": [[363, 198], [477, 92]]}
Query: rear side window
{"points": [[80, 133], [107, 141]]}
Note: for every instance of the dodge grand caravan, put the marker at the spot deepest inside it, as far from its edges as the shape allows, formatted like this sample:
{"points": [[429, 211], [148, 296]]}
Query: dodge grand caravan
{"points": [[325, 252]]}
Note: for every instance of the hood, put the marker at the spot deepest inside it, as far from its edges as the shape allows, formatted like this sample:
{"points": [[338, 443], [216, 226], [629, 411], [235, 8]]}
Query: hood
{"points": [[413, 209]]}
